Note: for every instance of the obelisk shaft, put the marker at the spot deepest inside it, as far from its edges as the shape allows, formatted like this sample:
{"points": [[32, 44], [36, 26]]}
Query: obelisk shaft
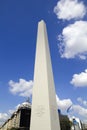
{"points": [[44, 115]]}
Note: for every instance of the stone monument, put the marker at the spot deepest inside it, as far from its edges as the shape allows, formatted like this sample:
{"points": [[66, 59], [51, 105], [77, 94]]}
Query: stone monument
{"points": [[44, 114]]}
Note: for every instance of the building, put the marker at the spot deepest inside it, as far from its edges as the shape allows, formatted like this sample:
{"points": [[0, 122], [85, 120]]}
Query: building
{"points": [[76, 124], [20, 119], [84, 126], [65, 123]]}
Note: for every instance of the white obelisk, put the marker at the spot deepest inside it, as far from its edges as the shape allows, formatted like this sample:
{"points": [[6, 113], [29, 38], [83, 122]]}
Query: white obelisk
{"points": [[44, 114]]}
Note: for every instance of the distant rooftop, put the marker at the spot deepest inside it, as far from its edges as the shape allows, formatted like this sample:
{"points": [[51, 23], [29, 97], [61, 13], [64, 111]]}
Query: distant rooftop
{"points": [[24, 105]]}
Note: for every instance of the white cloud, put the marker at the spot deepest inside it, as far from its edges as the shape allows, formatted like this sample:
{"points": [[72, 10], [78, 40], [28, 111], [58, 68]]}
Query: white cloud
{"points": [[75, 110], [69, 9], [11, 111], [3, 117], [17, 106], [80, 110], [80, 80], [63, 104], [22, 88], [81, 101], [73, 41]]}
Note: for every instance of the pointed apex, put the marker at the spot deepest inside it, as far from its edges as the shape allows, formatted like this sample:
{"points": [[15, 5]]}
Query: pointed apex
{"points": [[41, 21], [44, 114]]}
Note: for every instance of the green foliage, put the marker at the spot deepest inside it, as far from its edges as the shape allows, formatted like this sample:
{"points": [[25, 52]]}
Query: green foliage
{"points": [[13, 128], [65, 124], [20, 128]]}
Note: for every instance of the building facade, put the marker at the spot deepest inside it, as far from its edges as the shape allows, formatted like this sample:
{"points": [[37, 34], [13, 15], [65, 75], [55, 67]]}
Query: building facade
{"points": [[20, 119]]}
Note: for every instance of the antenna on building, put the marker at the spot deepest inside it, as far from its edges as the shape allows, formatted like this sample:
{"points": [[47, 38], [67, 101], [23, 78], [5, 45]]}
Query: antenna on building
{"points": [[28, 100]]}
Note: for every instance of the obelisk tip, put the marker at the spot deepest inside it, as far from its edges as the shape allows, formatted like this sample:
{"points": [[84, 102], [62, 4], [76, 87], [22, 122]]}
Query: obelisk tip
{"points": [[42, 21]]}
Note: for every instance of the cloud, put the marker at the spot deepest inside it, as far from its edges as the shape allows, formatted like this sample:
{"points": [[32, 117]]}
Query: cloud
{"points": [[11, 111], [80, 80], [75, 110], [73, 41], [63, 104], [80, 110], [3, 117], [81, 101], [69, 9], [22, 88]]}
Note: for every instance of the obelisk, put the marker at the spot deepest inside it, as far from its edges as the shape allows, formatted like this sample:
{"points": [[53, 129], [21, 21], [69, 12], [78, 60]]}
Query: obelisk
{"points": [[44, 114]]}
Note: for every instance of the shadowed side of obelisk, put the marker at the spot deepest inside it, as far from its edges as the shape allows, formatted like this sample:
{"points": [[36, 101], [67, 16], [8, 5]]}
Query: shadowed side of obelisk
{"points": [[44, 115]]}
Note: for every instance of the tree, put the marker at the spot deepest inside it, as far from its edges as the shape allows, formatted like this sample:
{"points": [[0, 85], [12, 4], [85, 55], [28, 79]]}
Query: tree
{"points": [[65, 124], [13, 128]]}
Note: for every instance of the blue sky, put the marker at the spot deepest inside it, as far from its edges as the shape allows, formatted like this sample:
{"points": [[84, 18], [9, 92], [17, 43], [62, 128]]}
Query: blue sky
{"points": [[67, 33]]}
